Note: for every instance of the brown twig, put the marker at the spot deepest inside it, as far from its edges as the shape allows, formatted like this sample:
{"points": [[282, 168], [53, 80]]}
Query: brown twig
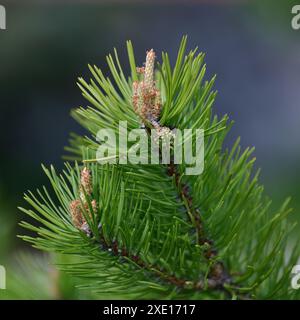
{"points": [[156, 270], [218, 272]]}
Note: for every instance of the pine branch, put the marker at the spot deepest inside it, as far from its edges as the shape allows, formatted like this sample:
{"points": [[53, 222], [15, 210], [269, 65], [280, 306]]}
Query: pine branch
{"points": [[148, 230], [218, 275]]}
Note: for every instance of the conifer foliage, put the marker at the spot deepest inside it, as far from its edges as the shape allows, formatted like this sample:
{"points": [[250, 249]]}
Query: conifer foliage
{"points": [[150, 231]]}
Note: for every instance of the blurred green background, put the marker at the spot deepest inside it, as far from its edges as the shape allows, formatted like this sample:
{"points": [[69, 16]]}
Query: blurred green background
{"points": [[250, 45]]}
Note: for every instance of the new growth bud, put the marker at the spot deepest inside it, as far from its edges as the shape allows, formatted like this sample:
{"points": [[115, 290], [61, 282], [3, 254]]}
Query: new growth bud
{"points": [[86, 184], [146, 97], [81, 205]]}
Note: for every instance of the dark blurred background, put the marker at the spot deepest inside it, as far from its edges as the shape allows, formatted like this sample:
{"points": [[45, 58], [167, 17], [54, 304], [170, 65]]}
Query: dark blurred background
{"points": [[250, 45]]}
